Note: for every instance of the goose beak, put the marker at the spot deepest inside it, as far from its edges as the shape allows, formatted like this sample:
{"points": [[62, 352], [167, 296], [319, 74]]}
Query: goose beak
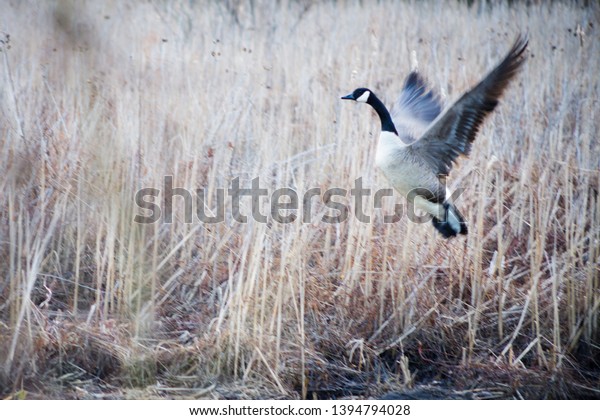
{"points": [[349, 96]]}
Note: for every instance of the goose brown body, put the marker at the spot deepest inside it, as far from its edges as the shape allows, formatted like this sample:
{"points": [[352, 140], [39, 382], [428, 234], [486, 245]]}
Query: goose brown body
{"points": [[419, 144]]}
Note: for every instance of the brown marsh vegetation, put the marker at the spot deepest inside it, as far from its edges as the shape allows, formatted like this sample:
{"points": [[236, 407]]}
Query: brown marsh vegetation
{"points": [[100, 99]]}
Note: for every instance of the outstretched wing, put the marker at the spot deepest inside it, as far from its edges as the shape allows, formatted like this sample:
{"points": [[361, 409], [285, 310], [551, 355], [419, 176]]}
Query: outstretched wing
{"points": [[453, 132], [415, 108]]}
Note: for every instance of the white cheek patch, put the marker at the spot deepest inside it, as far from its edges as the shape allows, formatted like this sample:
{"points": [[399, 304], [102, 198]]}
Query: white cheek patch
{"points": [[364, 97]]}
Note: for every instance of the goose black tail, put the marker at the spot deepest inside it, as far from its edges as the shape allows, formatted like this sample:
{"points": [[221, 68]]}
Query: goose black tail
{"points": [[452, 224]]}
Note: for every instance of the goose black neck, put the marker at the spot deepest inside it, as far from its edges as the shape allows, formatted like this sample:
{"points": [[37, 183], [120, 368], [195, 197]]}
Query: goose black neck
{"points": [[384, 115]]}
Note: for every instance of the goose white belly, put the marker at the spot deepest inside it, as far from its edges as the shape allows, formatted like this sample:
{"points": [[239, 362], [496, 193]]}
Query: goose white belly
{"points": [[404, 173]]}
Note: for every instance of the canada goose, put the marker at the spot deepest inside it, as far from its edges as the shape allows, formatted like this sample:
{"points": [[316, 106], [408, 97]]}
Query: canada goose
{"points": [[418, 144]]}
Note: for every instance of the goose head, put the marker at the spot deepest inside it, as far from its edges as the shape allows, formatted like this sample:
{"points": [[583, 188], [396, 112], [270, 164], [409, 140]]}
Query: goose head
{"points": [[367, 96], [359, 95]]}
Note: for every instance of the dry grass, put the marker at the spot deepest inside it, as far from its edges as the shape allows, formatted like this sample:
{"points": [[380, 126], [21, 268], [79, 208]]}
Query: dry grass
{"points": [[98, 100]]}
